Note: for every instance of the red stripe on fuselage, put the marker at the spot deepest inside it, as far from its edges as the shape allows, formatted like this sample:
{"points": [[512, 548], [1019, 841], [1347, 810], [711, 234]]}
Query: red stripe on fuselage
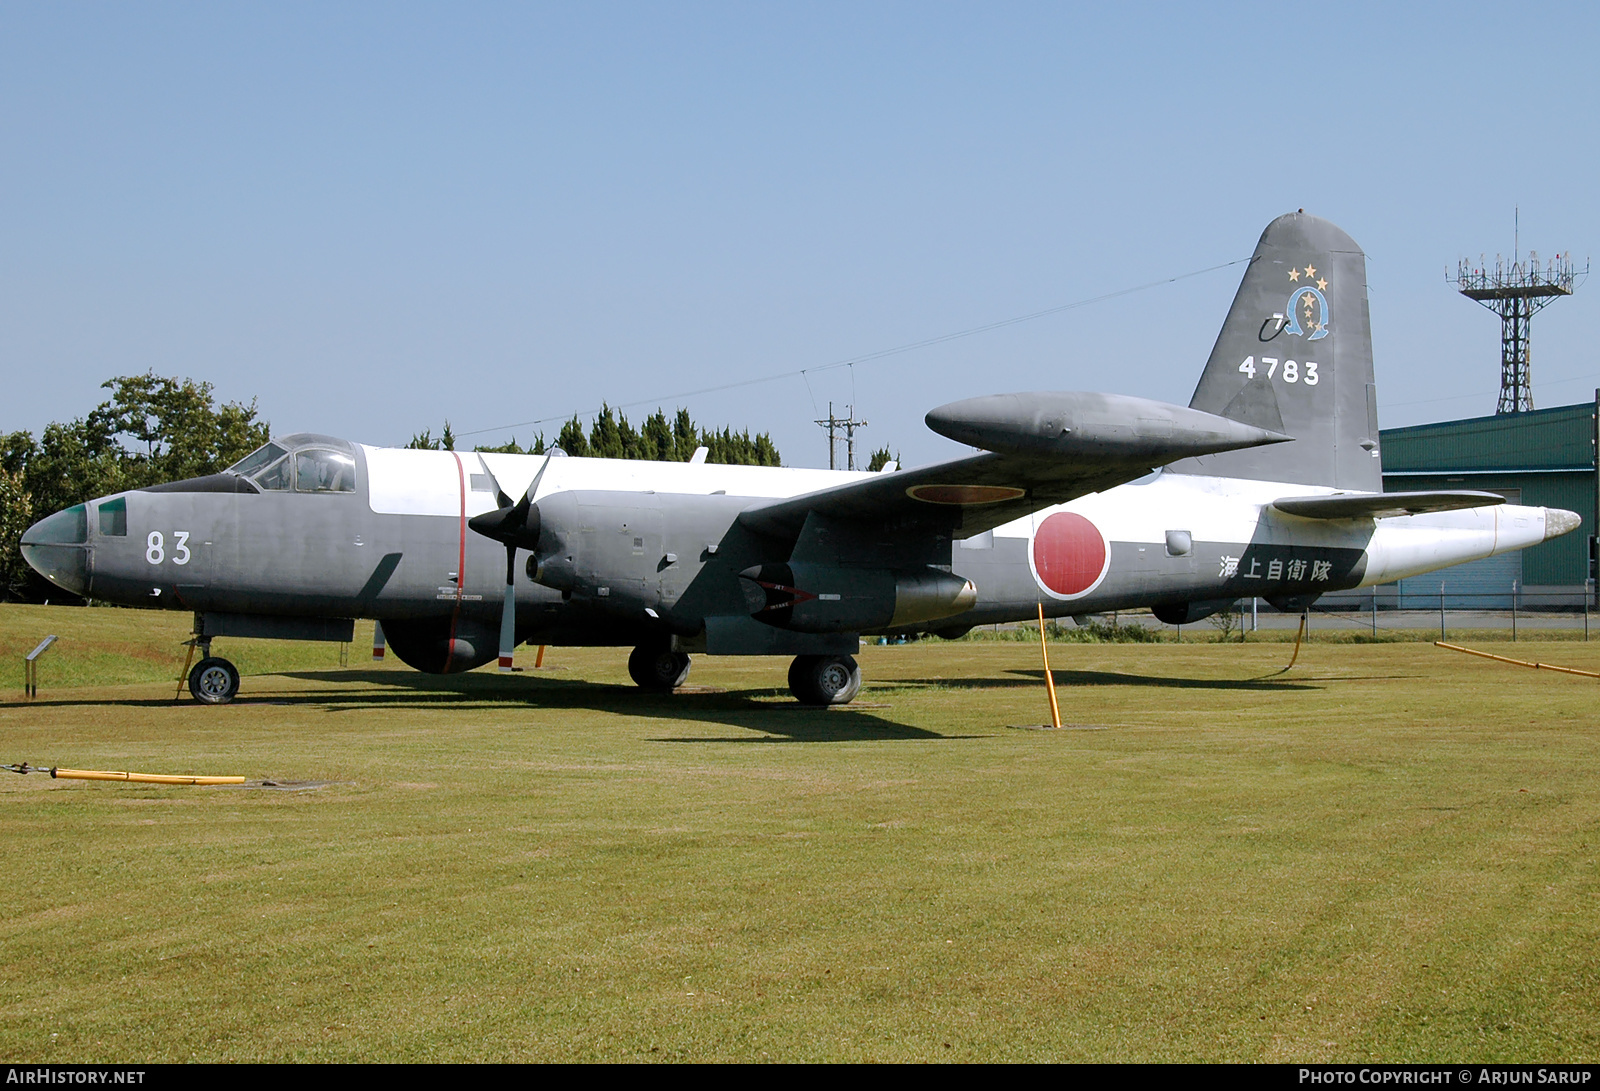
{"points": [[461, 565]]}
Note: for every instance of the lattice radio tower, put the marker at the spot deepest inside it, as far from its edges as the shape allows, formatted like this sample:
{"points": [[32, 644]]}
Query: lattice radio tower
{"points": [[1515, 290]]}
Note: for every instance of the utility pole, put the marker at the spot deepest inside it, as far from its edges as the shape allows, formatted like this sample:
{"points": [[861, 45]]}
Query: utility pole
{"points": [[849, 424]]}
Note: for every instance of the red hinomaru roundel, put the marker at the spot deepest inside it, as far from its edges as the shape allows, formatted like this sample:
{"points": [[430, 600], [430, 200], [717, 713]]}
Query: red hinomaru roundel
{"points": [[1069, 554]]}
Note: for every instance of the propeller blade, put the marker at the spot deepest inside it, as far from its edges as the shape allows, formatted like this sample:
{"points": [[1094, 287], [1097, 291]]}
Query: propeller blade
{"points": [[512, 524], [508, 614], [500, 497]]}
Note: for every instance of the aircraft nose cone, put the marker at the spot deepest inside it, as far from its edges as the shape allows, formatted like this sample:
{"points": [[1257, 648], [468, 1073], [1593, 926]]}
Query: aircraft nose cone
{"points": [[57, 549], [1559, 521]]}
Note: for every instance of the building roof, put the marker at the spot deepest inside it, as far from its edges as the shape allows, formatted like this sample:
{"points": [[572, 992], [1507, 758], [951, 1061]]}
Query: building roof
{"points": [[1544, 439]]}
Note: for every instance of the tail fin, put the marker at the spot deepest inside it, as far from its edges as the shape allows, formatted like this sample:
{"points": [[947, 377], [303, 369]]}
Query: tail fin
{"points": [[1295, 356]]}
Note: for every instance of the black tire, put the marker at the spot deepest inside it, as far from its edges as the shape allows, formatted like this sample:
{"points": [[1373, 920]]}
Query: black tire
{"points": [[657, 668], [824, 679], [214, 681]]}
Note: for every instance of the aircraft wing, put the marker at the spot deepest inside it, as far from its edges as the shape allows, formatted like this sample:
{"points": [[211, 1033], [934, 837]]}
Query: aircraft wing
{"points": [[1039, 450], [965, 495], [1379, 505]]}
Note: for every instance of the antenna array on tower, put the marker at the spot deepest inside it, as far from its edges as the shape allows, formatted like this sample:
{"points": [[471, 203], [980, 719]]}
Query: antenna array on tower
{"points": [[1515, 290]]}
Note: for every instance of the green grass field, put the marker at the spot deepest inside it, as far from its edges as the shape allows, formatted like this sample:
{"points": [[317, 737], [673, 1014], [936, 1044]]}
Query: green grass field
{"points": [[1387, 853]]}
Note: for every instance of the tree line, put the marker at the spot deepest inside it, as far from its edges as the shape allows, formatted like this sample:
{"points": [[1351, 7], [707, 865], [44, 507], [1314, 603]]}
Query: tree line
{"points": [[613, 436], [154, 429]]}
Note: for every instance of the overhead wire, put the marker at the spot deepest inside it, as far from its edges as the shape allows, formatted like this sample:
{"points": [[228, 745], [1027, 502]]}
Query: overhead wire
{"points": [[869, 357]]}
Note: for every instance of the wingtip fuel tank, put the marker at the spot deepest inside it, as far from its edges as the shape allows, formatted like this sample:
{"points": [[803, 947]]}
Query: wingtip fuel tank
{"points": [[1065, 424]]}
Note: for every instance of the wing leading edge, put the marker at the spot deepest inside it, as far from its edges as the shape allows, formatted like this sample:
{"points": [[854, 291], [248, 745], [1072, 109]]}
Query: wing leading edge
{"points": [[1039, 450]]}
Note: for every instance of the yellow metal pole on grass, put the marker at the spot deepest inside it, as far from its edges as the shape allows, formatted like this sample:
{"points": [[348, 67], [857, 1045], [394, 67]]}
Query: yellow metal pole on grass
{"points": [[539, 661], [1049, 679], [141, 778], [1517, 662], [58, 773]]}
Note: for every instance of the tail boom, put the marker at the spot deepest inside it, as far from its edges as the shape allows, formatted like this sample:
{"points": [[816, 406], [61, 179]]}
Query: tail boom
{"points": [[1417, 544]]}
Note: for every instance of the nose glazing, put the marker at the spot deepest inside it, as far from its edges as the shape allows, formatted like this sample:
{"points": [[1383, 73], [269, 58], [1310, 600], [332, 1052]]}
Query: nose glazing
{"points": [[57, 548]]}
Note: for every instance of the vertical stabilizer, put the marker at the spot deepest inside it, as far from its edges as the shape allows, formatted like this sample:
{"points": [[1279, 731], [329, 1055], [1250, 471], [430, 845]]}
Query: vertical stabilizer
{"points": [[1295, 356]]}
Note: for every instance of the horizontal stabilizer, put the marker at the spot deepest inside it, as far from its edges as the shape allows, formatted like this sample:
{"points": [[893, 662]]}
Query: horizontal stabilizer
{"points": [[1381, 505]]}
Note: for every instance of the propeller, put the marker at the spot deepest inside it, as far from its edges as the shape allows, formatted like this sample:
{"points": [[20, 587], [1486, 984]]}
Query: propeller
{"points": [[515, 524]]}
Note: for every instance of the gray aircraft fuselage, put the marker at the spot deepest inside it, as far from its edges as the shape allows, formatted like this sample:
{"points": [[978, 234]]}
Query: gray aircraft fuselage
{"points": [[1268, 485]]}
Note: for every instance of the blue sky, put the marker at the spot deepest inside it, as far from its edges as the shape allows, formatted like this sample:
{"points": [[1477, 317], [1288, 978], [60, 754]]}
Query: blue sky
{"points": [[375, 217]]}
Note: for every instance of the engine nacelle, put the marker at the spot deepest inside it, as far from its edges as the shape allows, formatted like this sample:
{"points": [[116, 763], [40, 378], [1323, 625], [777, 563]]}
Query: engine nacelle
{"points": [[636, 554], [628, 553], [812, 598]]}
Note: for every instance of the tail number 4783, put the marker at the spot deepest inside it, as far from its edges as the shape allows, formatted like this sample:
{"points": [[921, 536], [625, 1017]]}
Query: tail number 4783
{"points": [[155, 547], [1291, 372]]}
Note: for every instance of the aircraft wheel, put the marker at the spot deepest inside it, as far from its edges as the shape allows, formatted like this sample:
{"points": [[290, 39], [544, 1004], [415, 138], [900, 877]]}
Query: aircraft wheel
{"points": [[214, 681], [824, 679], [658, 668]]}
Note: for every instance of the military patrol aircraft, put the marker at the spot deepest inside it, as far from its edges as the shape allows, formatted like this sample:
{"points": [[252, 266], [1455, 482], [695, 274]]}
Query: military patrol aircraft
{"points": [[1268, 484]]}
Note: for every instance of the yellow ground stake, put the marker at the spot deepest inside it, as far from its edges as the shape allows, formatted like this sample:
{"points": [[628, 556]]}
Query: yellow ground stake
{"points": [[1049, 679], [105, 774], [1518, 662], [1298, 637], [183, 675]]}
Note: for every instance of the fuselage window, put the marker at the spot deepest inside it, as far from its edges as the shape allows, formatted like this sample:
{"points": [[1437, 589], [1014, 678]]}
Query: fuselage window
{"points": [[324, 471]]}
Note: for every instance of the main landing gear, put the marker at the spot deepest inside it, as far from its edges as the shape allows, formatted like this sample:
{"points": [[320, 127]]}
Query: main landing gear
{"points": [[813, 679], [214, 681], [824, 679], [656, 667]]}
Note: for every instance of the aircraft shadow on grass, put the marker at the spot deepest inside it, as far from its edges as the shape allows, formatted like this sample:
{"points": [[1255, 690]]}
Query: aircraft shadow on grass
{"points": [[1025, 677], [769, 720], [752, 709]]}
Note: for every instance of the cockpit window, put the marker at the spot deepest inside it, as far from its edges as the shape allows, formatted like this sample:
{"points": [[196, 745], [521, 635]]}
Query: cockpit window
{"points": [[114, 517], [311, 468], [276, 476], [318, 470], [258, 459]]}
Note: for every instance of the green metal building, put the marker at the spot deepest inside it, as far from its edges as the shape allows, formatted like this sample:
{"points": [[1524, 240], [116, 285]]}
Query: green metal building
{"points": [[1542, 458]]}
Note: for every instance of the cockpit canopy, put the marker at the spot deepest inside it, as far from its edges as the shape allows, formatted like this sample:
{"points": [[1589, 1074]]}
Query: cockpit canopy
{"points": [[303, 462]]}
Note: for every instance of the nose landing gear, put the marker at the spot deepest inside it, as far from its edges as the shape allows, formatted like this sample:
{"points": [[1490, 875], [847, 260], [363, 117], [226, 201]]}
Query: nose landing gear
{"points": [[214, 681]]}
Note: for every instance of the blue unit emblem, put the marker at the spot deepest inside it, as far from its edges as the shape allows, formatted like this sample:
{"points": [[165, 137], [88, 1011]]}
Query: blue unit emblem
{"points": [[1310, 296]]}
